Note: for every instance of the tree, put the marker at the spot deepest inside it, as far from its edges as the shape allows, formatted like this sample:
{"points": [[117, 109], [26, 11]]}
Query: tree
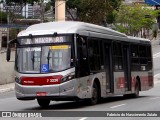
{"points": [[94, 11], [131, 19], [3, 17]]}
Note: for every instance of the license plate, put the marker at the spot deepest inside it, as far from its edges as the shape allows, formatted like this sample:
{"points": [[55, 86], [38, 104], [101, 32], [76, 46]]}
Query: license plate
{"points": [[40, 93]]}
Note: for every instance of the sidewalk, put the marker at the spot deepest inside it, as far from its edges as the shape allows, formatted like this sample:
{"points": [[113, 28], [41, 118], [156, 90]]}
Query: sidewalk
{"points": [[6, 87]]}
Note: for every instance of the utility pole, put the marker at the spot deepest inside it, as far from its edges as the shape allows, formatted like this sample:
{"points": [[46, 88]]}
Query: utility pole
{"points": [[60, 10], [8, 21]]}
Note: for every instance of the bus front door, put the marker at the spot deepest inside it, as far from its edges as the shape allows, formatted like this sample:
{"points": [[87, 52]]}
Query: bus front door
{"points": [[127, 69], [108, 68]]}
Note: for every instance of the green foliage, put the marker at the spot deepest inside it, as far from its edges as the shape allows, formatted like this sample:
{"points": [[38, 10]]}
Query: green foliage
{"points": [[74, 4], [94, 11], [134, 18], [48, 6], [3, 17], [110, 17]]}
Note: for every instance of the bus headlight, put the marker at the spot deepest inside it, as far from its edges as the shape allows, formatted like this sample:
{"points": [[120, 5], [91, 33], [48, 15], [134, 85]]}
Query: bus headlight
{"points": [[68, 77], [18, 80]]}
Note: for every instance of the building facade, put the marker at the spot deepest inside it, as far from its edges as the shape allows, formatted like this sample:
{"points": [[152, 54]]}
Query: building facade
{"points": [[133, 1], [27, 11]]}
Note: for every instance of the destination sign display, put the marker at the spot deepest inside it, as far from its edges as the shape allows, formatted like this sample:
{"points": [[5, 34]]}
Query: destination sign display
{"points": [[60, 47], [43, 40]]}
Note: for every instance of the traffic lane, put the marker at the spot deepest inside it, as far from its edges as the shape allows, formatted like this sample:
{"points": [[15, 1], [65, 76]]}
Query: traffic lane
{"points": [[106, 104], [7, 94], [156, 67]]}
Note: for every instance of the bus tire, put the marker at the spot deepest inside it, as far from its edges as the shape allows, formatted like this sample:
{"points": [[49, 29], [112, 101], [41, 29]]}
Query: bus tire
{"points": [[95, 95], [136, 94], [43, 102]]}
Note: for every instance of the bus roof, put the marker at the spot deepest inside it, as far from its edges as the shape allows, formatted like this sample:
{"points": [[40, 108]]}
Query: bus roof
{"points": [[64, 27], [82, 28], [138, 39]]}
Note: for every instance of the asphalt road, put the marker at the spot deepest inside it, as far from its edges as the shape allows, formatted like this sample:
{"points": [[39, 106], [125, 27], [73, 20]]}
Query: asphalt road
{"points": [[148, 101]]}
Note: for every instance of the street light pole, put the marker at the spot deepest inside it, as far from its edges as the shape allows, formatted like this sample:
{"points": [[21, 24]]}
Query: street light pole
{"points": [[60, 10]]}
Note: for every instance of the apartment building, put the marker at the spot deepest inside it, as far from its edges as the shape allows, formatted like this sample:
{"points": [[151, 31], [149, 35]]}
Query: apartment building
{"points": [[27, 11]]}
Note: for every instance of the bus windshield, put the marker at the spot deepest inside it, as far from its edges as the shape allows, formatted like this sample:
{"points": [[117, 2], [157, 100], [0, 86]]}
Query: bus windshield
{"points": [[43, 59]]}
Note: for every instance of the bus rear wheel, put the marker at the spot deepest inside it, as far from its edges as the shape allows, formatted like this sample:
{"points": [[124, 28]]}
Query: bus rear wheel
{"points": [[43, 102], [136, 94], [95, 95]]}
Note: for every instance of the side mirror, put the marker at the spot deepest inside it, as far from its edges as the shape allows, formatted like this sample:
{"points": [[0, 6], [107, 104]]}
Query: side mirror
{"points": [[8, 54]]}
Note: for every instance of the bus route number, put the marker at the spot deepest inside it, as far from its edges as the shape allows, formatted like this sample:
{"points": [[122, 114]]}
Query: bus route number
{"points": [[53, 80]]}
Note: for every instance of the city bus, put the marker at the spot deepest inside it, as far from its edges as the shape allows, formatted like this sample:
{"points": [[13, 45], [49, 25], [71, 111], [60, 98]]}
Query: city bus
{"points": [[61, 61]]}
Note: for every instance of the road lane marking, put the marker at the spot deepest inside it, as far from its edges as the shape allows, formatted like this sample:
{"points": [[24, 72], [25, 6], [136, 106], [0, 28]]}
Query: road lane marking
{"points": [[84, 118], [156, 75], [156, 55], [154, 98], [118, 106]]}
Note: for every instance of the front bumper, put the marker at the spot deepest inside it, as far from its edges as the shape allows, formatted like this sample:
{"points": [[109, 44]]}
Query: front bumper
{"points": [[67, 90]]}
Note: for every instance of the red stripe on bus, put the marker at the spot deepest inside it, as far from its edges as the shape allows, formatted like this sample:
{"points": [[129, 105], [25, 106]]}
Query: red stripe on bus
{"points": [[49, 80], [120, 83]]}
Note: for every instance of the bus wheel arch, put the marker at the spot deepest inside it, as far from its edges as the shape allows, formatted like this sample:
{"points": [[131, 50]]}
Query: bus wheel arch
{"points": [[137, 87], [139, 81], [96, 92], [99, 86]]}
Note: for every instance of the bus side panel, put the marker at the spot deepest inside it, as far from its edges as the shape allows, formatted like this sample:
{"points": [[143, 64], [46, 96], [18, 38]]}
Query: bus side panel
{"points": [[119, 83], [86, 83], [146, 81]]}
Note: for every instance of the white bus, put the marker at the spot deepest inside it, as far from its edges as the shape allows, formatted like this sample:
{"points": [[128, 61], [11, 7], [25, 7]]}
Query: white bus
{"points": [[77, 60]]}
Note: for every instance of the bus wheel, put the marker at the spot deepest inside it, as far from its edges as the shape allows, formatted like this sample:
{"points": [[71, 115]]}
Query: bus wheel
{"points": [[95, 95], [43, 102], [136, 94]]}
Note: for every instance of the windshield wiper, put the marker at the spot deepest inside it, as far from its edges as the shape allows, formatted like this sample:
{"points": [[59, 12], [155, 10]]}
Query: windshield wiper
{"points": [[33, 59], [48, 58]]}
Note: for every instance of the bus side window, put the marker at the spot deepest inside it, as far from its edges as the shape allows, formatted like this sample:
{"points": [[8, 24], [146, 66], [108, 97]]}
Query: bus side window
{"points": [[82, 57], [149, 58], [143, 55], [94, 55], [117, 56], [135, 63]]}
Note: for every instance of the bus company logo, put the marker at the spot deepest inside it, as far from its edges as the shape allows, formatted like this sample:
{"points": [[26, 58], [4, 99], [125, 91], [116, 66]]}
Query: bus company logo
{"points": [[29, 82], [6, 114]]}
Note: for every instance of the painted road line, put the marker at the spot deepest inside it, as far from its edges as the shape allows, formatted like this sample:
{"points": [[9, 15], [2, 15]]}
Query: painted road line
{"points": [[118, 106], [156, 55], [157, 75], [154, 98], [84, 118]]}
